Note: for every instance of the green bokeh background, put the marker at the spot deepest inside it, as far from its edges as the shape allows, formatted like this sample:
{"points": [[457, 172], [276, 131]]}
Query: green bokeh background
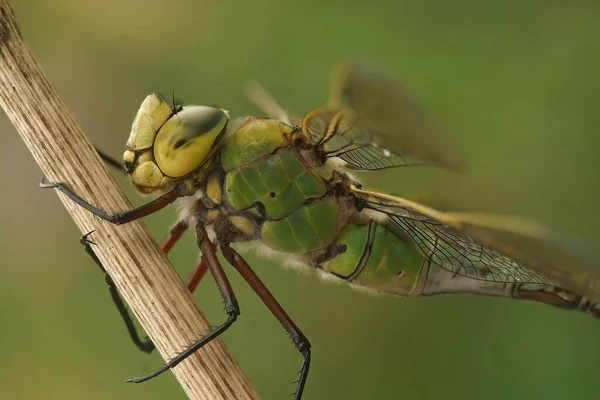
{"points": [[514, 83]]}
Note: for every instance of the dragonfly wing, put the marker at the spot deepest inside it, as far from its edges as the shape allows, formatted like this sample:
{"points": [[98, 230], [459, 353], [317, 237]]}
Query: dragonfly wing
{"points": [[267, 104], [372, 123], [490, 247]]}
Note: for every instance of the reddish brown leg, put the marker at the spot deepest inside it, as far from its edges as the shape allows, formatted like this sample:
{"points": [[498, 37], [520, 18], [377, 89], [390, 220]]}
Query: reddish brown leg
{"points": [[168, 243], [174, 234], [122, 217], [197, 275], [298, 338]]}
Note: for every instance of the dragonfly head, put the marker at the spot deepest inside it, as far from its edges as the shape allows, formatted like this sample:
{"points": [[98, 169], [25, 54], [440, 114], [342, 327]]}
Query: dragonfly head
{"points": [[170, 144]]}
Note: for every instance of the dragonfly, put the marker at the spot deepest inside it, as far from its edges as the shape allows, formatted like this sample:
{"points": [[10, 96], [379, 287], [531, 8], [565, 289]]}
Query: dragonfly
{"points": [[284, 184]]}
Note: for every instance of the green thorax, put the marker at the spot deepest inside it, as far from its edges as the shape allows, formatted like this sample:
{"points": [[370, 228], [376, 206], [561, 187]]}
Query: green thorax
{"points": [[280, 182], [264, 172], [255, 138]]}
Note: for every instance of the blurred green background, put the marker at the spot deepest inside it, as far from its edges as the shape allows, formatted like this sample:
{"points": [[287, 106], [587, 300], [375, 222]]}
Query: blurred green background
{"points": [[514, 83]]}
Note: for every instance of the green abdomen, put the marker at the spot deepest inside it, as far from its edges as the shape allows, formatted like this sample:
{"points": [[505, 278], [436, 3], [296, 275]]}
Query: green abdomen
{"points": [[372, 256]]}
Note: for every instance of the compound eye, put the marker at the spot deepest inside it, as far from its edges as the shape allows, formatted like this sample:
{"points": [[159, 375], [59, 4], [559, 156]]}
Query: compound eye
{"points": [[186, 139]]}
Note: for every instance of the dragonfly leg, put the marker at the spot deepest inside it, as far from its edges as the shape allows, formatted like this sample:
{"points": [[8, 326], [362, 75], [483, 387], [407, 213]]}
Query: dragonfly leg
{"points": [[145, 345], [122, 217], [300, 341], [173, 236], [231, 305], [197, 274], [201, 267]]}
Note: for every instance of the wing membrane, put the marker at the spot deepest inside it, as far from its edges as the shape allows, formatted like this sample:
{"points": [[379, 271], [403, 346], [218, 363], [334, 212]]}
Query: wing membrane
{"points": [[267, 104], [372, 123], [371, 158], [458, 253], [490, 247]]}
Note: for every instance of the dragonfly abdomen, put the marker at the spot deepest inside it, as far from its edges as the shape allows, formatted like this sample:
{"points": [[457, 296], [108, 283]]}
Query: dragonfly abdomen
{"points": [[374, 257], [556, 296], [442, 281]]}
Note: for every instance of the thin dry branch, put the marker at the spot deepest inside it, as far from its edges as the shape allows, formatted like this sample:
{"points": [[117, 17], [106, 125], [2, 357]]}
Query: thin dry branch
{"points": [[139, 268]]}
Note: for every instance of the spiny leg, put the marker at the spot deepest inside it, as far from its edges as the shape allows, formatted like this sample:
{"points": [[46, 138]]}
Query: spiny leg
{"points": [[231, 305], [122, 217], [300, 341]]}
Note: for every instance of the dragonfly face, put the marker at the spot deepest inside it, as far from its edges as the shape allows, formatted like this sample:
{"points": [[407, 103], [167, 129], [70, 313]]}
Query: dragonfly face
{"points": [[167, 144]]}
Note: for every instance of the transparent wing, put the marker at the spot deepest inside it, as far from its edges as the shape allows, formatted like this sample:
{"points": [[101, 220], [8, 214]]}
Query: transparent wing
{"points": [[490, 247], [267, 104], [372, 123], [460, 254], [371, 157]]}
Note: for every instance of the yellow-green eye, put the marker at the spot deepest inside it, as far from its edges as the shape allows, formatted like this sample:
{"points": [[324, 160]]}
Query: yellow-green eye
{"points": [[186, 139]]}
